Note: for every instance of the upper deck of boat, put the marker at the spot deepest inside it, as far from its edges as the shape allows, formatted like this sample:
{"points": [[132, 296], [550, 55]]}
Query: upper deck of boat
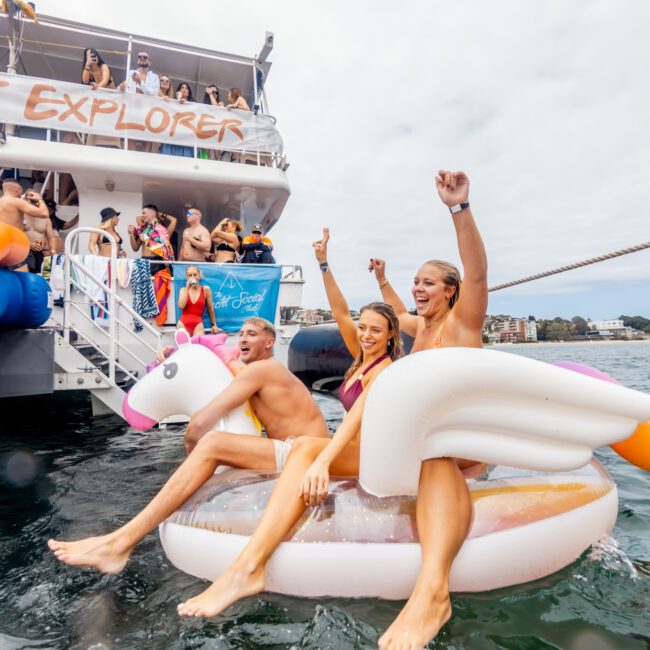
{"points": [[226, 162]]}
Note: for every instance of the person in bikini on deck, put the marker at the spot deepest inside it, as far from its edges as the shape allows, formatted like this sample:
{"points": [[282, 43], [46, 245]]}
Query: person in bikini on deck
{"points": [[446, 317], [281, 402], [374, 343], [227, 241]]}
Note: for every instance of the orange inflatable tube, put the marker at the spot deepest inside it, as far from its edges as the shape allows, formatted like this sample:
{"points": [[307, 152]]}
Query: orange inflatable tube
{"points": [[14, 245], [636, 448]]}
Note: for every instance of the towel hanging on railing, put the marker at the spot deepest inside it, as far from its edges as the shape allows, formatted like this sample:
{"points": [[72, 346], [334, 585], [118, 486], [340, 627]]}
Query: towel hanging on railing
{"points": [[144, 297]]}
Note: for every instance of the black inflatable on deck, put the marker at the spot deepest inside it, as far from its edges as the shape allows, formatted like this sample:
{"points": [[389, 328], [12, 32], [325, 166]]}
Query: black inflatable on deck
{"points": [[319, 358]]}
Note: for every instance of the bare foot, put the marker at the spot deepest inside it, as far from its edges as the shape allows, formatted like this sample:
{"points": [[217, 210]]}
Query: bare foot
{"points": [[235, 583], [419, 622], [104, 553]]}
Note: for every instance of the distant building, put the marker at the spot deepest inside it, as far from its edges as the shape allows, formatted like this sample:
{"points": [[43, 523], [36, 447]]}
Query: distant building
{"points": [[310, 316], [613, 329], [504, 329]]}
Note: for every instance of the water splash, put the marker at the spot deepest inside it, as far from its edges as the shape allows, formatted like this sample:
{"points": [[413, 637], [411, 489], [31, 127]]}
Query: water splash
{"points": [[607, 552]]}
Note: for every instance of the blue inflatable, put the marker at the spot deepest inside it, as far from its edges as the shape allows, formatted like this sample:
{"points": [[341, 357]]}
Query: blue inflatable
{"points": [[25, 300]]}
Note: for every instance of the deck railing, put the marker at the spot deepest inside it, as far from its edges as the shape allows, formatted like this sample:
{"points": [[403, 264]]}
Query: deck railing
{"points": [[57, 111], [106, 341]]}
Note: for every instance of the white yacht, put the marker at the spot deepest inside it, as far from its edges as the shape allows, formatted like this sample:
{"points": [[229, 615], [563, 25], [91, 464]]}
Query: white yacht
{"points": [[99, 142]]}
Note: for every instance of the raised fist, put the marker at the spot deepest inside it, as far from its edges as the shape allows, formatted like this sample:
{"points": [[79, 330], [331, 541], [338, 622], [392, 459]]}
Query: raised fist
{"points": [[453, 187]]}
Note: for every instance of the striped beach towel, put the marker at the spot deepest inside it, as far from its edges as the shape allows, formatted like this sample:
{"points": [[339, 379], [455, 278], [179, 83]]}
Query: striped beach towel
{"points": [[144, 298]]}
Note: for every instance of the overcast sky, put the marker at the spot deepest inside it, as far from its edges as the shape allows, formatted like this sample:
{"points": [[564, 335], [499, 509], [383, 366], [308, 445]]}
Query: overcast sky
{"points": [[544, 105]]}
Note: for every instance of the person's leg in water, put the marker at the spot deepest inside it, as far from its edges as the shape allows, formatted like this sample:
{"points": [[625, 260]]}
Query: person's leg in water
{"points": [[245, 576], [444, 515], [109, 553]]}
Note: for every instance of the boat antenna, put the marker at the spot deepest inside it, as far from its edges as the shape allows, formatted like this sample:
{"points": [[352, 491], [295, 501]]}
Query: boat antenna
{"points": [[570, 267]]}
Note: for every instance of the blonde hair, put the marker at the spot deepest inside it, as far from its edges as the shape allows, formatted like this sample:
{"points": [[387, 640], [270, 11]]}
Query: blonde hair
{"points": [[451, 278], [238, 226], [263, 324], [169, 92], [395, 348], [196, 268]]}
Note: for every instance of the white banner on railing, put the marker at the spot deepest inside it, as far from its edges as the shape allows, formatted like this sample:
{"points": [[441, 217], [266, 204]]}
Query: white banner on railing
{"points": [[73, 107]]}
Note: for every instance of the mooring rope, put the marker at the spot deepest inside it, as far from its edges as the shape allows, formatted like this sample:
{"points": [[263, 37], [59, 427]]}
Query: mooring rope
{"points": [[570, 267]]}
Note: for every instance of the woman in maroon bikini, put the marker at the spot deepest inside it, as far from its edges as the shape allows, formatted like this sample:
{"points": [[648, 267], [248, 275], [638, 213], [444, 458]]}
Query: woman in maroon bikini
{"points": [[374, 343]]}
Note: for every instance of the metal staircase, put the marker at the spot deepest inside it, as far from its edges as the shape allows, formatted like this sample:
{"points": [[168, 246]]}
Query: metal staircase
{"points": [[103, 357]]}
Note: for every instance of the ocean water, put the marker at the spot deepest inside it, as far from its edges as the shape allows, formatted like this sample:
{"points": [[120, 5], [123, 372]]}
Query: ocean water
{"points": [[64, 475]]}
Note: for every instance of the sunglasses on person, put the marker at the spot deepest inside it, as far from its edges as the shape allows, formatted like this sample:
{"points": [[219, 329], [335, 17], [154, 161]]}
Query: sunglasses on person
{"points": [[143, 56], [191, 213]]}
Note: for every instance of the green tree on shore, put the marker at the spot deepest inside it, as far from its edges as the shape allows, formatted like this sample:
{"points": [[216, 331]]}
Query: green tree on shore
{"points": [[637, 322]]}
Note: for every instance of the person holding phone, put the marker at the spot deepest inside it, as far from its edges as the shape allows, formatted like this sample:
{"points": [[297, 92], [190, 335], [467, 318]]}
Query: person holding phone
{"points": [[211, 96], [95, 72]]}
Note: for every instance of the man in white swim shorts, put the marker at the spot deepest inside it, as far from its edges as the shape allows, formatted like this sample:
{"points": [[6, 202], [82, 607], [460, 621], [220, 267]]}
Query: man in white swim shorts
{"points": [[282, 451], [280, 401]]}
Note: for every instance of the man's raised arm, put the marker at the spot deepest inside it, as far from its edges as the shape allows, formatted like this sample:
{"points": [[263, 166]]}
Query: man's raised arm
{"points": [[241, 389]]}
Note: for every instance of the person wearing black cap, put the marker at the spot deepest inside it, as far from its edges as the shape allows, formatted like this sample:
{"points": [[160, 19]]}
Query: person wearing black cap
{"points": [[100, 244], [257, 248]]}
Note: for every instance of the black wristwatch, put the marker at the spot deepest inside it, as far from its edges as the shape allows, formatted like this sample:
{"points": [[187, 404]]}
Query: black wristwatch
{"points": [[324, 266], [458, 207]]}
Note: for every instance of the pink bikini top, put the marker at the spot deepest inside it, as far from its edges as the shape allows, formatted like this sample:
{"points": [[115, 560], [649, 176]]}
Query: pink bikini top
{"points": [[349, 395]]}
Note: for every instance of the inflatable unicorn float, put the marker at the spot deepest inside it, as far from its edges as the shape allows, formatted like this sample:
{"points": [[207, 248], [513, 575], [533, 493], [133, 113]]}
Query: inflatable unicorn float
{"points": [[545, 501]]}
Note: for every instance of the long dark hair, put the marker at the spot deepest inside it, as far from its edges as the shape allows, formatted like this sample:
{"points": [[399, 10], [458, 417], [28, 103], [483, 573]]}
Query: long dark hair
{"points": [[206, 97], [190, 96], [92, 50], [395, 348]]}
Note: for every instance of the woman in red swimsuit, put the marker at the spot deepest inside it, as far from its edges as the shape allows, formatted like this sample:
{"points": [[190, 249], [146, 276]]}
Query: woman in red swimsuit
{"points": [[192, 302], [304, 482]]}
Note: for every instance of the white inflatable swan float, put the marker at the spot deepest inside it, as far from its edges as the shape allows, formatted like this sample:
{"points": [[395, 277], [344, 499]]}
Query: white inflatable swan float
{"points": [[489, 406]]}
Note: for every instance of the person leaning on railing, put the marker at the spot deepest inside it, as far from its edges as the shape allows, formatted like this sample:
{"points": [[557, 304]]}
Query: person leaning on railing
{"points": [[95, 72], [236, 100], [183, 96], [166, 91], [212, 96], [144, 81]]}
